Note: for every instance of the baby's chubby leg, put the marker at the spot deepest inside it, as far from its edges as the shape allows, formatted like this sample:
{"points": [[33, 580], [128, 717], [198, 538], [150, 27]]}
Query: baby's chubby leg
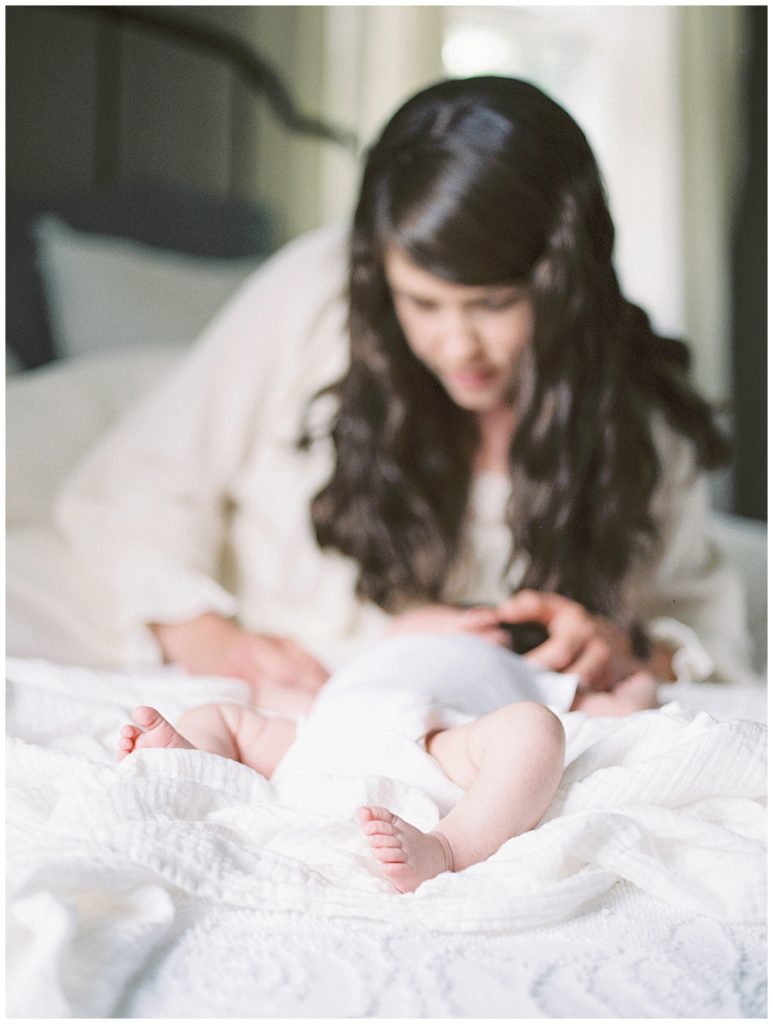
{"points": [[240, 733], [509, 762], [230, 730]]}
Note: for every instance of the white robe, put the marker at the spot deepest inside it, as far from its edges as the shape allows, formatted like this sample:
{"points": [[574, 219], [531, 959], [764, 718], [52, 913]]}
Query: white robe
{"points": [[198, 500]]}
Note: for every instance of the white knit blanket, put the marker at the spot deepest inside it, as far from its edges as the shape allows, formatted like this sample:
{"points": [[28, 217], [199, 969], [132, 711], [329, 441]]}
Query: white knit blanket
{"points": [[116, 869]]}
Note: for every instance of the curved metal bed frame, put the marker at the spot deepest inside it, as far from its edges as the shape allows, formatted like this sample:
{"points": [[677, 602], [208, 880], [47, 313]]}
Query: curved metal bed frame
{"points": [[233, 51]]}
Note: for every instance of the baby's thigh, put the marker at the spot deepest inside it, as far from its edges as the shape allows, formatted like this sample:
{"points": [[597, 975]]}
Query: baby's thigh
{"points": [[503, 739], [451, 749], [231, 730], [210, 727], [260, 742]]}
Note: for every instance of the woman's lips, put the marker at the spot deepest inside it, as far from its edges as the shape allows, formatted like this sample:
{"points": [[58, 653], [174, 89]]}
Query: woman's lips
{"points": [[472, 379]]}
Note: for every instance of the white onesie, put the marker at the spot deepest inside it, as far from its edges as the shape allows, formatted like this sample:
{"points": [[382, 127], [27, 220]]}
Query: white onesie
{"points": [[370, 720]]}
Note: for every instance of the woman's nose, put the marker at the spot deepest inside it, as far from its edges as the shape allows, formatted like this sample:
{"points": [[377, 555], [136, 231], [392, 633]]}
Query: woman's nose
{"points": [[459, 336]]}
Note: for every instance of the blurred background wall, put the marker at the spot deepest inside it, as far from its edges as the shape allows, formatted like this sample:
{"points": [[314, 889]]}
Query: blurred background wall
{"points": [[673, 100]]}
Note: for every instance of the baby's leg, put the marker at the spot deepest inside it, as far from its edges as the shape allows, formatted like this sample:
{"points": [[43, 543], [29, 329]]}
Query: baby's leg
{"points": [[509, 762], [241, 733], [638, 692], [236, 732]]}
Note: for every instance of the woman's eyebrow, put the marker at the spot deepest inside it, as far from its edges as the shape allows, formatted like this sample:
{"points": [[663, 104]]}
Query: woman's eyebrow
{"points": [[498, 291], [482, 291]]}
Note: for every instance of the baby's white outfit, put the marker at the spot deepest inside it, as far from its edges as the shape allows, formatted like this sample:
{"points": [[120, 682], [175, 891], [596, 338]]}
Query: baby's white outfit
{"points": [[370, 720]]}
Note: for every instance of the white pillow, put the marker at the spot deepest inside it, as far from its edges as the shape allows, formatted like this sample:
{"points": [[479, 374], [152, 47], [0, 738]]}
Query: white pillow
{"points": [[54, 414], [13, 365], [112, 293]]}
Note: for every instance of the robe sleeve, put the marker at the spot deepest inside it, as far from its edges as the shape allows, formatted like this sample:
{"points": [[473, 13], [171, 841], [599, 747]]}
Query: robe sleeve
{"points": [[686, 592], [148, 506]]}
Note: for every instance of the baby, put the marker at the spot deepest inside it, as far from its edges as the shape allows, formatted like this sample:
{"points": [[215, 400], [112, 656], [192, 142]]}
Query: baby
{"points": [[508, 762]]}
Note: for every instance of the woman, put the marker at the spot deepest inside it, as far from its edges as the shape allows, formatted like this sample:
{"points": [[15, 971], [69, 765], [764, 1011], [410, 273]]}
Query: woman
{"points": [[505, 431]]}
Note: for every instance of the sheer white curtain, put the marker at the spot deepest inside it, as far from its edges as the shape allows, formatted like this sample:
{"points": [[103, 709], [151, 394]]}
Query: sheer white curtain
{"points": [[713, 48], [375, 58]]}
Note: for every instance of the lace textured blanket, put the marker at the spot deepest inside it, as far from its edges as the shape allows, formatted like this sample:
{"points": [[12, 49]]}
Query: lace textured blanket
{"points": [[137, 888]]}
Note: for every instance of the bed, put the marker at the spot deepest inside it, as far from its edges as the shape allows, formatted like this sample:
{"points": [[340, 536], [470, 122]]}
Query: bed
{"points": [[177, 884]]}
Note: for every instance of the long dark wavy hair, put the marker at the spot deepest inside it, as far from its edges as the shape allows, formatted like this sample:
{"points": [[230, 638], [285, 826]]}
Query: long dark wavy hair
{"points": [[484, 181]]}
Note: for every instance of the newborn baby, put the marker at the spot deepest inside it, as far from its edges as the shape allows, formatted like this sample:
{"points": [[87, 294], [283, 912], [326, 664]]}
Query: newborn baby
{"points": [[501, 769]]}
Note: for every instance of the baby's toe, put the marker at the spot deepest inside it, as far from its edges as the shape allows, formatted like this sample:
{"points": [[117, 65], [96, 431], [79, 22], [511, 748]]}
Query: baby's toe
{"points": [[370, 814], [379, 828], [390, 855], [146, 716], [377, 842], [125, 747], [364, 815]]}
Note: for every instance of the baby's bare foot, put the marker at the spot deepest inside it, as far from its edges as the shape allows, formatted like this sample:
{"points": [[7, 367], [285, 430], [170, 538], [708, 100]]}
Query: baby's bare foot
{"points": [[407, 855], [155, 731]]}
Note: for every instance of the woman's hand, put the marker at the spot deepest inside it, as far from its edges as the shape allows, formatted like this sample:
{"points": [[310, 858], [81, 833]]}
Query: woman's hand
{"points": [[446, 618], [282, 676], [592, 647]]}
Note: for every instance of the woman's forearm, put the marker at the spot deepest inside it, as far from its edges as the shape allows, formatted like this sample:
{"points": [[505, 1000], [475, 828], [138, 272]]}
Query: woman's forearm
{"points": [[211, 645], [199, 645]]}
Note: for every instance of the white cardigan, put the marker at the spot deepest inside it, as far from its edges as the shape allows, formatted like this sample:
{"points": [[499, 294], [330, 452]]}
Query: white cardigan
{"points": [[198, 500]]}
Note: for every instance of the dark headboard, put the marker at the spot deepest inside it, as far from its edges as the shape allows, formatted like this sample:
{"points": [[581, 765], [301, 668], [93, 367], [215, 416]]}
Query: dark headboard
{"points": [[232, 51], [156, 212]]}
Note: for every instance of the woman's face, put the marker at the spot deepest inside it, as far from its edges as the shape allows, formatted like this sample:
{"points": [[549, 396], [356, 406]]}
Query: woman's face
{"points": [[469, 337]]}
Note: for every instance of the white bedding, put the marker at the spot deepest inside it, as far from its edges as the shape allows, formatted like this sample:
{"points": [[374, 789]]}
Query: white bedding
{"points": [[181, 884]]}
